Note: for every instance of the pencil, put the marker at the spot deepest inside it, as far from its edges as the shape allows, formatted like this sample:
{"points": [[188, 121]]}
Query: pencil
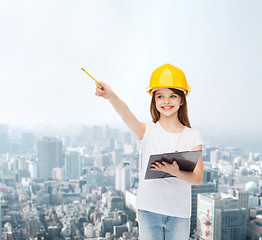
{"points": [[90, 75]]}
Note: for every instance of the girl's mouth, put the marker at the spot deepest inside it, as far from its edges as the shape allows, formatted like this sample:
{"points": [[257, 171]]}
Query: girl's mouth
{"points": [[167, 107]]}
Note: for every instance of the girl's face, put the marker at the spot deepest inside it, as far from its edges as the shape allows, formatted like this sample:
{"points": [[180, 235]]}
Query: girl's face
{"points": [[167, 102]]}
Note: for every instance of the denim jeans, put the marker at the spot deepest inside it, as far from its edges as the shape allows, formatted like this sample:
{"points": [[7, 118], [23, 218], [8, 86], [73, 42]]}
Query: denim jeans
{"points": [[154, 226]]}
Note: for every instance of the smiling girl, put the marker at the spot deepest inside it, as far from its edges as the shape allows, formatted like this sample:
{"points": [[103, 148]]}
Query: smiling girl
{"points": [[164, 205]]}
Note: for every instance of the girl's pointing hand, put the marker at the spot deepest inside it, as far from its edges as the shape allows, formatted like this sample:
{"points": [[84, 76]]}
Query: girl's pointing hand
{"points": [[103, 90]]}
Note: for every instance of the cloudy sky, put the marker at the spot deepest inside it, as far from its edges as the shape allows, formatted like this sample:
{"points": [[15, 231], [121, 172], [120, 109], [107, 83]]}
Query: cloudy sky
{"points": [[44, 44]]}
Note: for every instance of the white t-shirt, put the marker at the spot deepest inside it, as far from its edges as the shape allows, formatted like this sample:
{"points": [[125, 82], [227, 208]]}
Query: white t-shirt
{"points": [[168, 196]]}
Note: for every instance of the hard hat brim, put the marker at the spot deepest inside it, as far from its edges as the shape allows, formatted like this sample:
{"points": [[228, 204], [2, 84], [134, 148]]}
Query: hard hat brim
{"points": [[151, 90]]}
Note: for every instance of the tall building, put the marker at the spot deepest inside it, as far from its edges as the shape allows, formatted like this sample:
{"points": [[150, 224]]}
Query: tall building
{"points": [[33, 226], [206, 157], [242, 196], [32, 168], [22, 163], [72, 165], [49, 156], [122, 177], [4, 138], [214, 156], [116, 157], [230, 224], [210, 175], [219, 217], [196, 189]]}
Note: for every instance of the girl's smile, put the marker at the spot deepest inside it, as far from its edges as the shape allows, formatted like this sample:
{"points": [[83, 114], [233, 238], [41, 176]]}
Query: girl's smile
{"points": [[167, 107]]}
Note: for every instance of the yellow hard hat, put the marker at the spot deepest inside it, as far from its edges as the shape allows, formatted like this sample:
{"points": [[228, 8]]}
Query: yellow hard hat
{"points": [[168, 76]]}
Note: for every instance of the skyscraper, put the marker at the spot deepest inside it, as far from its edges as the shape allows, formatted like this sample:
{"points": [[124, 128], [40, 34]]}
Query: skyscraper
{"points": [[242, 196], [122, 177], [211, 175], [230, 224], [32, 168], [206, 157], [49, 156], [3, 138], [72, 165], [196, 189], [219, 217]]}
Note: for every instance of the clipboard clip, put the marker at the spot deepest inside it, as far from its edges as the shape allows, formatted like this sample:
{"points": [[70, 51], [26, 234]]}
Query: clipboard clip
{"points": [[166, 154]]}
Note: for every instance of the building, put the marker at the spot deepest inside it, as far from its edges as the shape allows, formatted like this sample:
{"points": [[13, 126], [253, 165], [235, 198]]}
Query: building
{"points": [[207, 223], [49, 156], [72, 165], [119, 230], [122, 177], [195, 190], [32, 167], [243, 198], [4, 138], [130, 199], [58, 173], [214, 156], [33, 226], [115, 202], [253, 201], [22, 163], [254, 228], [89, 230], [230, 224], [210, 175], [206, 157]]}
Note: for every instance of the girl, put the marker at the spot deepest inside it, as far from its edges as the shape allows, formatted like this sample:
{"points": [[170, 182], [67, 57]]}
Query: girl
{"points": [[164, 205]]}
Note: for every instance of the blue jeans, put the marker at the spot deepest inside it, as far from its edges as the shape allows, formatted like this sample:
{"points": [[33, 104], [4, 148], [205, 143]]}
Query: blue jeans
{"points": [[154, 226]]}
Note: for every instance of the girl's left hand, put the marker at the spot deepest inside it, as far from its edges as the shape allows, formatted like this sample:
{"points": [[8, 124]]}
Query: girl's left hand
{"points": [[172, 169]]}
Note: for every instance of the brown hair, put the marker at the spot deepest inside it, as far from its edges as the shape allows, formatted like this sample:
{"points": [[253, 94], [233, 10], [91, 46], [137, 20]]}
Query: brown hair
{"points": [[182, 111]]}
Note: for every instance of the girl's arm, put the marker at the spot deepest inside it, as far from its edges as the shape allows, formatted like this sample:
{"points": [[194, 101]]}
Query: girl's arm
{"points": [[194, 177], [137, 127]]}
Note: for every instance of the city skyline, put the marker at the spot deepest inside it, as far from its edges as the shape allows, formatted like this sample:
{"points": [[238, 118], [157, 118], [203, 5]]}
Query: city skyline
{"points": [[99, 200], [245, 140]]}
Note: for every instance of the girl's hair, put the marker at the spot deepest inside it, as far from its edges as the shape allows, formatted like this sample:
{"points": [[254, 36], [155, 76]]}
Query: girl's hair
{"points": [[182, 111]]}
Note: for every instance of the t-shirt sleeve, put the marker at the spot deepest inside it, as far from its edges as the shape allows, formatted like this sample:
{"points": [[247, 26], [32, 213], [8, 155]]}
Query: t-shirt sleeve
{"points": [[197, 138]]}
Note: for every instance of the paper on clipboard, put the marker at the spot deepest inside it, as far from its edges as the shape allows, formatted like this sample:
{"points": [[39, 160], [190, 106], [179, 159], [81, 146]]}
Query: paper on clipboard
{"points": [[186, 161]]}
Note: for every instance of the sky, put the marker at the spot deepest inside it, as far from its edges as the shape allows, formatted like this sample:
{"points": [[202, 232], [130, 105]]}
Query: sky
{"points": [[45, 43]]}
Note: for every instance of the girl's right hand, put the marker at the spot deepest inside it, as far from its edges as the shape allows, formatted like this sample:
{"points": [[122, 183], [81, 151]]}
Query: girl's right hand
{"points": [[103, 90]]}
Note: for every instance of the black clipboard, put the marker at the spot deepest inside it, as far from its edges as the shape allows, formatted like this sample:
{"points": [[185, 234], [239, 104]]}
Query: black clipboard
{"points": [[186, 161]]}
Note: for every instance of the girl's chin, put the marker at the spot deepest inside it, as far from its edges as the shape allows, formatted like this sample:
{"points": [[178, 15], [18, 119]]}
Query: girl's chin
{"points": [[167, 114]]}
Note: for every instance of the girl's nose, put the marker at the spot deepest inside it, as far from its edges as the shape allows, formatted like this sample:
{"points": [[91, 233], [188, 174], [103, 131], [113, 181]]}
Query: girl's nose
{"points": [[166, 100]]}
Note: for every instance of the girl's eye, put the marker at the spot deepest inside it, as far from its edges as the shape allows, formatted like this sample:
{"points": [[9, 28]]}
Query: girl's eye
{"points": [[159, 97], [173, 96]]}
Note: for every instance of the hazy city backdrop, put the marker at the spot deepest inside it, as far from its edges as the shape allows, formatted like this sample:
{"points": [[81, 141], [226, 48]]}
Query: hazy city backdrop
{"points": [[69, 168]]}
